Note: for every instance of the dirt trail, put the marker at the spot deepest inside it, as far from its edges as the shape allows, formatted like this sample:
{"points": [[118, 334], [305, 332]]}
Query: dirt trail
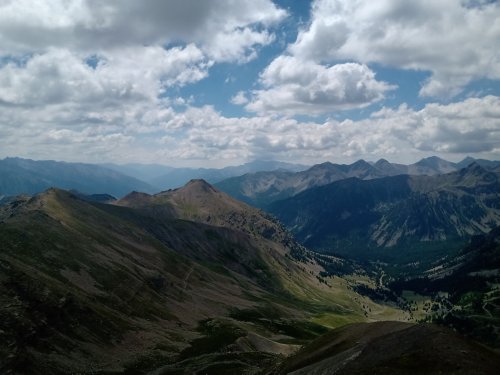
{"points": [[186, 278]]}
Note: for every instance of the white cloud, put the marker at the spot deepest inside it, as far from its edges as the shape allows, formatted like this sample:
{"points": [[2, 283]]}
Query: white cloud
{"points": [[131, 74], [204, 136], [293, 86], [225, 30], [452, 131], [86, 79], [456, 41], [91, 81], [240, 98]]}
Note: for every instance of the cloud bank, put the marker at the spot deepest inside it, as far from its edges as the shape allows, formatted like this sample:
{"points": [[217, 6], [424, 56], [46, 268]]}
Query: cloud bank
{"points": [[100, 81]]}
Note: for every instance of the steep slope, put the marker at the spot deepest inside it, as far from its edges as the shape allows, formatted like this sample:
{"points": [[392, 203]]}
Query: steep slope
{"points": [[392, 348], [352, 215], [90, 287], [24, 176], [73, 276], [199, 201]]}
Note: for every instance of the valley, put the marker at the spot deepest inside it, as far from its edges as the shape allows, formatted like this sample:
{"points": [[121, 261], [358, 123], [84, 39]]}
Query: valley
{"points": [[191, 280]]}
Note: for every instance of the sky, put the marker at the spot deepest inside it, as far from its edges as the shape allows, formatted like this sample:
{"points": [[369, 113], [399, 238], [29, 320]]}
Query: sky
{"points": [[223, 82]]}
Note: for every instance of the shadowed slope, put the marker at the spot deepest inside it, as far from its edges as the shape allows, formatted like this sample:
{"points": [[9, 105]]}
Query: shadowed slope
{"points": [[392, 348], [352, 215]]}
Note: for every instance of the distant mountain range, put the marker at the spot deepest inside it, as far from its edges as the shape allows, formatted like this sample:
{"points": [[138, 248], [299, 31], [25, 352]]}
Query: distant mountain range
{"points": [[262, 188], [352, 216], [258, 182], [24, 176], [164, 177]]}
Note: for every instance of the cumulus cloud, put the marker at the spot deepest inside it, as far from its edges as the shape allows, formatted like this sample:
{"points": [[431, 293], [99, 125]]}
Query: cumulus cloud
{"points": [[84, 79], [134, 73], [204, 136], [240, 98], [452, 131], [224, 29], [91, 81], [455, 40], [293, 86]]}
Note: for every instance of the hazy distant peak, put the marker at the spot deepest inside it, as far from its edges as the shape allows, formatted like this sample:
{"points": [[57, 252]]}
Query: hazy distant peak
{"points": [[467, 160], [326, 164], [361, 163], [432, 161], [262, 162], [381, 162]]}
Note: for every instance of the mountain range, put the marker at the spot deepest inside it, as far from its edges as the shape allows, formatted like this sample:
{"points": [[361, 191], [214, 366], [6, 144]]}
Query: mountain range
{"points": [[258, 182], [262, 188], [165, 177], [354, 217], [25, 176]]}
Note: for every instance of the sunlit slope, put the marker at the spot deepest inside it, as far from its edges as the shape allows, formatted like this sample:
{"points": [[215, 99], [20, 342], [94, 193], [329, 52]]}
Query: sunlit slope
{"points": [[138, 286]]}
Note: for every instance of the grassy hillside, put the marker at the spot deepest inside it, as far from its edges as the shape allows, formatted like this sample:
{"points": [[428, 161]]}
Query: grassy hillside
{"points": [[91, 287]]}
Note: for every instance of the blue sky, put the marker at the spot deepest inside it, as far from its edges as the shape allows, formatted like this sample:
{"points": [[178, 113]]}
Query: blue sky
{"points": [[216, 83]]}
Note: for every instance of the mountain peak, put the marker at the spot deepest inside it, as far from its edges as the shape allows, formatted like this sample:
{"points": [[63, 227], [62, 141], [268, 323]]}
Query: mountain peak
{"points": [[198, 184], [431, 161], [134, 198], [382, 162], [473, 169], [324, 165], [433, 165], [361, 163], [467, 160], [52, 193]]}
